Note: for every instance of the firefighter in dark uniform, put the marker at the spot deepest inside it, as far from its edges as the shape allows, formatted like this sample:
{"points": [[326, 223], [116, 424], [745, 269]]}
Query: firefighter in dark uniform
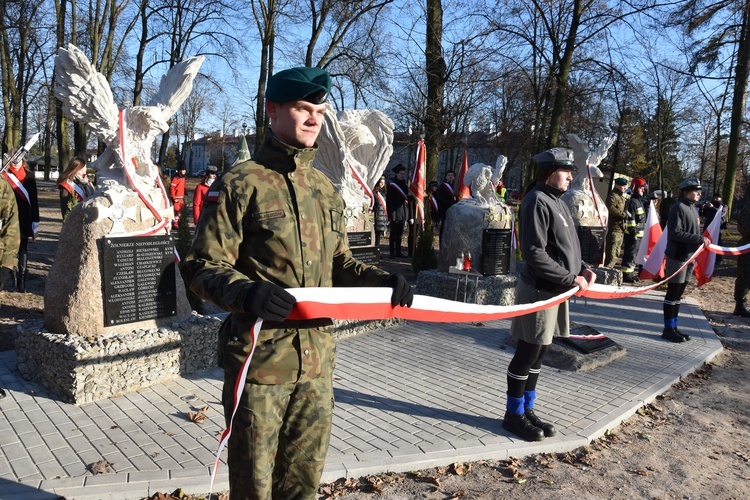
{"points": [[636, 220]]}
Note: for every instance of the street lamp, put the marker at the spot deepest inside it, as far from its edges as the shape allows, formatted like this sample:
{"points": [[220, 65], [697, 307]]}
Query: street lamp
{"points": [[244, 125]]}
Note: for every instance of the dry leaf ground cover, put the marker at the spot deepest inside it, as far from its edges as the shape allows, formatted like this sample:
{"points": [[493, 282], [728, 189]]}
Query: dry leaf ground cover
{"points": [[693, 442]]}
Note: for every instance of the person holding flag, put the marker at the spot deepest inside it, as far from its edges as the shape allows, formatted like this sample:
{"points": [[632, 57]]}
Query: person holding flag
{"points": [[683, 239]]}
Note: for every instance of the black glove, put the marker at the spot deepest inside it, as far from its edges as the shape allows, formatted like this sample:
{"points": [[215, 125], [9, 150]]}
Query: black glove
{"points": [[402, 292], [269, 302], [6, 279]]}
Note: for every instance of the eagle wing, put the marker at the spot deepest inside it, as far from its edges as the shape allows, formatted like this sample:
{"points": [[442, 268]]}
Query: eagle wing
{"points": [[175, 86], [85, 94]]}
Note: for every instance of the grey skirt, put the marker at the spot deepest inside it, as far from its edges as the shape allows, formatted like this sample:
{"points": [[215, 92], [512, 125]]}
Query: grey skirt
{"points": [[673, 265], [539, 327]]}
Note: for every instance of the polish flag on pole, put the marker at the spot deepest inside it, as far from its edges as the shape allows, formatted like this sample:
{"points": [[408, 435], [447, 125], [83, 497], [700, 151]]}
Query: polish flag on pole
{"points": [[417, 179], [463, 192], [651, 235], [704, 264], [654, 266]]}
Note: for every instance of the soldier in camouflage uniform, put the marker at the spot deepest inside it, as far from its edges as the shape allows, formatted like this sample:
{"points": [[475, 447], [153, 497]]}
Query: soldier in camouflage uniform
{"points": [[272, 223], [10, 235], [742, 283], [616, 223]]}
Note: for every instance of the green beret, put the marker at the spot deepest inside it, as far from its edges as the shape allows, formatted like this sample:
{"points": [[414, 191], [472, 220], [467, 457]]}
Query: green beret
{"points": [[295, 84], [621, 181]]}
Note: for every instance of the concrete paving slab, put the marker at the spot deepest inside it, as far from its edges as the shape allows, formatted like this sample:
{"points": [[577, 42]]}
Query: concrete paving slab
{"points": [[409, 397]]}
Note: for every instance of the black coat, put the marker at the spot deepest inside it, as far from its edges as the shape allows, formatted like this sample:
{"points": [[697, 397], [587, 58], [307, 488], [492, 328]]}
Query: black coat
{"points": [[398, 207], [28, 211], [381, 218]]}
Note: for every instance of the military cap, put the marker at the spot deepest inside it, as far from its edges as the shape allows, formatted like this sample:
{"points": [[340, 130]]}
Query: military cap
{"points": [[690, 184], [398, 168], [212, 169], [621, 181], [555, 159], [299, 84]]}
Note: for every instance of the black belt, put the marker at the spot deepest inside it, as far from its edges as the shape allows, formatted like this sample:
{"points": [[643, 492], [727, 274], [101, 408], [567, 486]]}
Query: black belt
{"points": [[292, 324]]}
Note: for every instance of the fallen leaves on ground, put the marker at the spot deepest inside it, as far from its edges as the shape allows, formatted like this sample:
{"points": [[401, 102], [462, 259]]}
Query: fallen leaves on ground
{"points": [[101, 467], [198, 417]]}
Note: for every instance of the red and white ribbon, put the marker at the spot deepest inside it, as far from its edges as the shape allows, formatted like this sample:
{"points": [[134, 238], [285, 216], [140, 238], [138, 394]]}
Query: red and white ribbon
{"points": [[375, 303], [361, 183]]}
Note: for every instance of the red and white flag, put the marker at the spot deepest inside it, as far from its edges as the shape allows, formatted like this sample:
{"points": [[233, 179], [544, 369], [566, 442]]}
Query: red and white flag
{"points": [[651, 235], [417, 179], [463, 192], [704, 264], [654, 266]]}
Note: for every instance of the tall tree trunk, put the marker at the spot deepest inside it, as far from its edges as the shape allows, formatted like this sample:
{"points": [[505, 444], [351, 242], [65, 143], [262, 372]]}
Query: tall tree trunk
{"points": [[739, 98], [561, 89], [63, 144], [436, 69]]}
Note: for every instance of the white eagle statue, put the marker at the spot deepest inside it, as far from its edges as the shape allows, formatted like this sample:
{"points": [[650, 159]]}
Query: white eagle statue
{"points": [[129, 134], [586, 206], [354, 149], [482, 181]]}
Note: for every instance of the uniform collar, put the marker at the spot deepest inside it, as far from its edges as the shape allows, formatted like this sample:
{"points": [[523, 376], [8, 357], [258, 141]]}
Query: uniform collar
{"points": [[552, 191], [282, 157]]}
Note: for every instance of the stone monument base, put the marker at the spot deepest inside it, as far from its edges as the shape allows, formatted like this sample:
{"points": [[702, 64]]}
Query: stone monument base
{"points": [[564, 357], [80, 370], [485, 290]]}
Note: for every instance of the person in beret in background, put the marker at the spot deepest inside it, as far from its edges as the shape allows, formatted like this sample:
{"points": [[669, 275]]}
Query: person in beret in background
{"points": [[552, 256], [616, 222], [683, 239], [269, 224]]}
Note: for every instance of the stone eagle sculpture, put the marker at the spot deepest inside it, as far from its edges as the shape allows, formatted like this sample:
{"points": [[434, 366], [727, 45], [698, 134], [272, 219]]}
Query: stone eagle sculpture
{"points": [[128, 134], [586, 206], [482, 181], [354, 149]]}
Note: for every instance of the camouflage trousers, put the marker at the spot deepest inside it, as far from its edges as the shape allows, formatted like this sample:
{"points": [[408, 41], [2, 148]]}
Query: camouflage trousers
{"points": [[612, 248], [742, 283], [279, 440]]}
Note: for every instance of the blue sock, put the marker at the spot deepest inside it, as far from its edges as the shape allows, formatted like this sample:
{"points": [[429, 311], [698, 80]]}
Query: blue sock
{"points": [[514, 405], [529, 397]]}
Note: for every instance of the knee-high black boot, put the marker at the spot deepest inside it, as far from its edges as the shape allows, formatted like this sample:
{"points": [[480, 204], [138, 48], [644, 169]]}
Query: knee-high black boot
{"points": [[21, 274]]}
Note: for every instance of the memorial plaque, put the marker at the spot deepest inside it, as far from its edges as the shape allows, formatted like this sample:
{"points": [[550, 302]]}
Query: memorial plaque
{"points": [[367, 255], [496, 250], [592, 239], [360, 238], [139, 279], [585, 340]]}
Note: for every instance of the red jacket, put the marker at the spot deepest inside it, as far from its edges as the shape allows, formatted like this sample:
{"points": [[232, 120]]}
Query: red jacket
{"points": [[198, 197], [177, 188]]}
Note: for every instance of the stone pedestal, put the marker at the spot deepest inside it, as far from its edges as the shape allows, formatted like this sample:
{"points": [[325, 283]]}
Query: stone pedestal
{"points": [[79, 369], [485, 290]]}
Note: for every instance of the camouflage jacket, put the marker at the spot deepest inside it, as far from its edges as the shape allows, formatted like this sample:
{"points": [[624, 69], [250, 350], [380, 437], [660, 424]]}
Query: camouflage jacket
{"points": [[10, 234], [276, 219], [743, 224], [616, 206]]}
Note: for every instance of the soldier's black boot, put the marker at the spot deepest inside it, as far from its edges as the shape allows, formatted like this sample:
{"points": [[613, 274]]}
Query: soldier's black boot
{"points": [[547, 428], [672, 335], [522, 427], [740, 309]]}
